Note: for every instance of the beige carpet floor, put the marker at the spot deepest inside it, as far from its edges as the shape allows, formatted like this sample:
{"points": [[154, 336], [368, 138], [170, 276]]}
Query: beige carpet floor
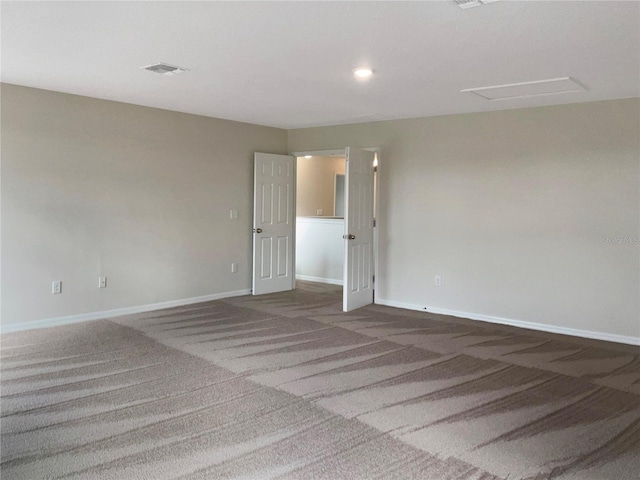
{"points": [[286, 386]]}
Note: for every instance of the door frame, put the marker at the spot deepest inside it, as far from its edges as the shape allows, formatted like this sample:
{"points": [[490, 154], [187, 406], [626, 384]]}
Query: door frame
{"points": [[376, 205]]}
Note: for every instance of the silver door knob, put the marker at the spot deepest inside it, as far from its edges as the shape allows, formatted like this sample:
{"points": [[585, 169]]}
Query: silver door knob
{"points": [[257, 230], [349, 237]]}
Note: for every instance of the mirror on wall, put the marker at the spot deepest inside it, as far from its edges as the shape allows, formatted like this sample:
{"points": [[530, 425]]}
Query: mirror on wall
{"points": [[339, 198], [320, 186]]}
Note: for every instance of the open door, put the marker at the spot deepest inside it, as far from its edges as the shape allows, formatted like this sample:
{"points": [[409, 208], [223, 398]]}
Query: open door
{"points": [[273, 223], [358, 224]]}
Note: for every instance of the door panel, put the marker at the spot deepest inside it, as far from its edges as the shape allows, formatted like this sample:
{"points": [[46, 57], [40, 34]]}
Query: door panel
{"points": [[273, 223], [358, 271]]}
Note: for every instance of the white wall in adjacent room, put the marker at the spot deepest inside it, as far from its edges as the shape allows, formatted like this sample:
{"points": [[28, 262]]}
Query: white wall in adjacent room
{"points": [[320, 249]]}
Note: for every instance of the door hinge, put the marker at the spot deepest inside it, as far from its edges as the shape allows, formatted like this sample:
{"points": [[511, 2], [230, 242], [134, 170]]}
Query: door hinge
{"points": [[374, 279], [374, 223]]}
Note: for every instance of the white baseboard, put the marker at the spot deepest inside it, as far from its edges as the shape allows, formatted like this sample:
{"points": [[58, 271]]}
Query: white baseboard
{"points": [[309, 278], [609, 337], [118, 312], [52, 322]]}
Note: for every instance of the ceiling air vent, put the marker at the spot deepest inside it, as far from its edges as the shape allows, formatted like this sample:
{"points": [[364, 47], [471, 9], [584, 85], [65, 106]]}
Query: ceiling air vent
{"points": [[472, 3], [164, 69]]}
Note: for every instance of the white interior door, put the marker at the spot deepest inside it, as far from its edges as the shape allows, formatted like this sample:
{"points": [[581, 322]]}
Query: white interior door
{"points": [[358, 224], [273, 223]]}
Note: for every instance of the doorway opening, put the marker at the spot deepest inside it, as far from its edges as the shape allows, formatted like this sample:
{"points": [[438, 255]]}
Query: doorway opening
{"points": [[274, 223], [320, 202], [320, 247]]}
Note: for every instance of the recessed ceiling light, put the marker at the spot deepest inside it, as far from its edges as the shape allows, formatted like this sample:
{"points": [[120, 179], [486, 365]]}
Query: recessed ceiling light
{"points": [[307, 156], [362, 73]]}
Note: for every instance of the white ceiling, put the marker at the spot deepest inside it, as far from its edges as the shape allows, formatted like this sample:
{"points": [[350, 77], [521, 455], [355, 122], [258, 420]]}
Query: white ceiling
{"points": [[289, 64]]}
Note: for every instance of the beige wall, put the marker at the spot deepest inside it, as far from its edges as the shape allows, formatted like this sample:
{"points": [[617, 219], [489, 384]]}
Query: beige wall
{"points": [[511, 208], [316, 184], [141, 195]]}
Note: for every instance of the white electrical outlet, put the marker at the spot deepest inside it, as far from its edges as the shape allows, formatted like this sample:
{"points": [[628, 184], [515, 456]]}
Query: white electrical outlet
{"points": [[234, 267], [56, 287], [438, 280], [102, 282], [319, 211], [233, 214]]}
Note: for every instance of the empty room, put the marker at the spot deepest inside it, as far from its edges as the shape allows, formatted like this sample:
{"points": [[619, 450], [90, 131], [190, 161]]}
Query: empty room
{"points": [[320, 240]]}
